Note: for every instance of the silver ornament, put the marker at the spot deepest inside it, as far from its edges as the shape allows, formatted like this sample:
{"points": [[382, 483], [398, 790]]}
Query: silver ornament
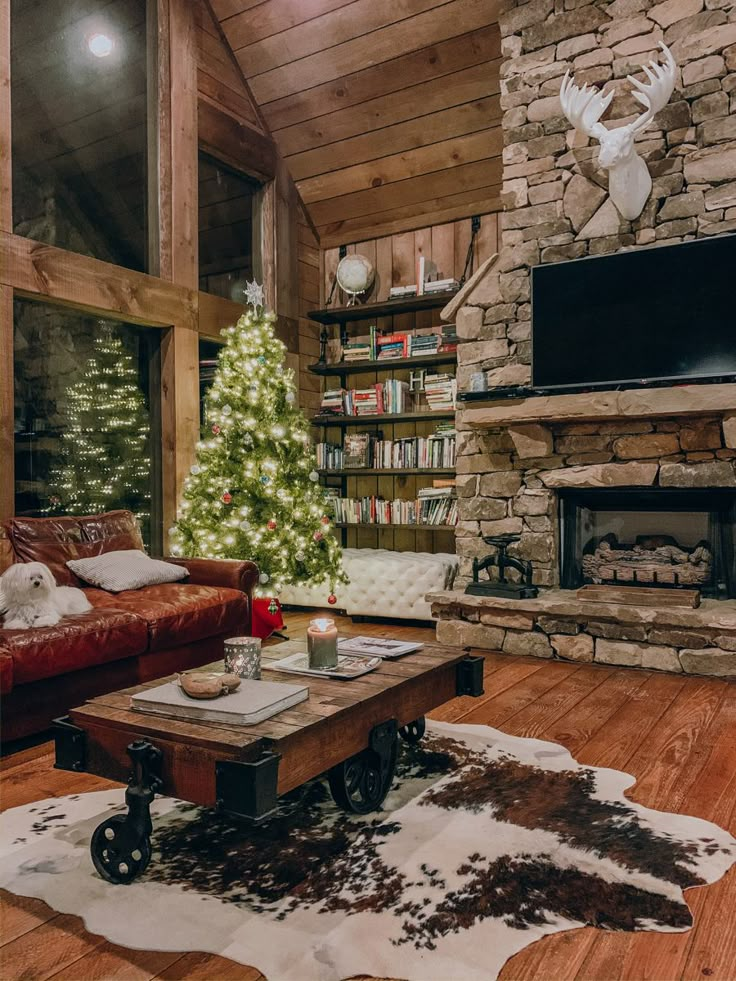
{"points": [[314, 476], [263, 578], [226, 410]]}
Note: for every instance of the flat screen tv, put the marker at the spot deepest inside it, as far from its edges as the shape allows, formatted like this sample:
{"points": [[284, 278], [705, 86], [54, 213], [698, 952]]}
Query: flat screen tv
{"points": [[647, 315]]}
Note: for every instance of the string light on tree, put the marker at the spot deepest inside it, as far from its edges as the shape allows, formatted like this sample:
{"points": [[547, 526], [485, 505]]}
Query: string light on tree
{"points": [[262, 462], [103, 457]]}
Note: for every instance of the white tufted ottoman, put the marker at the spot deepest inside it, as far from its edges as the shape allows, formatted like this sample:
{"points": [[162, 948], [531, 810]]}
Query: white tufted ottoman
{"points": [[382, 584]]}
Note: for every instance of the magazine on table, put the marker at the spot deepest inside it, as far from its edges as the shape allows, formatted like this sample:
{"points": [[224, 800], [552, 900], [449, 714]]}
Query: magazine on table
{"points": [[349, 665], [382, 647]]}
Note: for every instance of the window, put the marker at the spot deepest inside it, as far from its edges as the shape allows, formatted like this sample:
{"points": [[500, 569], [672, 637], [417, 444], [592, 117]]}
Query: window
{"points": [[84, 414], [208, 354], [78, 73], [227, 203]]}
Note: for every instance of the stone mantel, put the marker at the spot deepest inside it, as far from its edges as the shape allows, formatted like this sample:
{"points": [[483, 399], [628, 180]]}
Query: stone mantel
{"points": [[641, 403]]}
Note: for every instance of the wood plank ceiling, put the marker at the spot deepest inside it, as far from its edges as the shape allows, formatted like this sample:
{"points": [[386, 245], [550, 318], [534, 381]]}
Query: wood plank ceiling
{"points": [[386, 111]]}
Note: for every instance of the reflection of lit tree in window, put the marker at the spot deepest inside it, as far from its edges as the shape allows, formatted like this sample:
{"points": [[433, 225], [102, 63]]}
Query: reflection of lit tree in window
{"points": [[103, 458]]}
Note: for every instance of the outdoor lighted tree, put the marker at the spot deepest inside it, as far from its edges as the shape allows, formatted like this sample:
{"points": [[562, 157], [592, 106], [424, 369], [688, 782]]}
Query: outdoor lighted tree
{"points": [[253, 492], [103, 458]]}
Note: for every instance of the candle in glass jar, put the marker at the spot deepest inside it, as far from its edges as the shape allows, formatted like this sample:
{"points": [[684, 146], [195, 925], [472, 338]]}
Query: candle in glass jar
{"points": [[322, 643]]}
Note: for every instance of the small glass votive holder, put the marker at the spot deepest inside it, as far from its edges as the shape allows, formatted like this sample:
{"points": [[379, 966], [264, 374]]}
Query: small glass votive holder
{"points": [[243, 657]]}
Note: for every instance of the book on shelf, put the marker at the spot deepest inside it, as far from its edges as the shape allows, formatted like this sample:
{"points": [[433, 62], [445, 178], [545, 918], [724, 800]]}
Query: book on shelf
{"points": [[421, 272], [416, 452], [329, 456], [399, 291], [440, 391], [389, 397], [439, 510], [357, 450], [333, 401]]}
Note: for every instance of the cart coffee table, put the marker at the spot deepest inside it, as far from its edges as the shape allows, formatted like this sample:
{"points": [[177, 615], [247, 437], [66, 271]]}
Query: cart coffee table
{"points": [[348, 730]]}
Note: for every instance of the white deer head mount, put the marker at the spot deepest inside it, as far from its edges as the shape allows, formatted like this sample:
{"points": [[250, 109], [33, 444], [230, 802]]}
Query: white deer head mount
{"points": [[629, 181]]}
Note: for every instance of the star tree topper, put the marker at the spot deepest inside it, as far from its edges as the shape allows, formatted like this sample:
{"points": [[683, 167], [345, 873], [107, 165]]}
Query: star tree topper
{"points": [[254, 294]]}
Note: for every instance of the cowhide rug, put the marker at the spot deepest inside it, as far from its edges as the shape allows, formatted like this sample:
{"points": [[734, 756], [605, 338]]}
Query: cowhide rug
{"points": [[487, 842]]}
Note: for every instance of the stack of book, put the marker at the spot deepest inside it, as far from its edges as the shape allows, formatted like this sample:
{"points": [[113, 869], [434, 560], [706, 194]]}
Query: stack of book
{"points": [[449, 338], [424, 344], [437, 510], [332, 402], [329, 456], [392, 346], [441, 286], [361, 348], [441, 391], [398, 291]]}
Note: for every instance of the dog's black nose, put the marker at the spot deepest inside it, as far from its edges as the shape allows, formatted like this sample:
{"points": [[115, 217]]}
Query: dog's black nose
{"points": [[36, 582]]}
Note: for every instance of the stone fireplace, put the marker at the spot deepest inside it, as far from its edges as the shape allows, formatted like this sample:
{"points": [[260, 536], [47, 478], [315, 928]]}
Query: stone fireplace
{"points": [[523, 462]]}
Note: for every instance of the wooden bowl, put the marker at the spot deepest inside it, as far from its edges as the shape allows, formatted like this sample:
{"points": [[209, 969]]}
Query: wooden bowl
{"points": [[207, 684]]}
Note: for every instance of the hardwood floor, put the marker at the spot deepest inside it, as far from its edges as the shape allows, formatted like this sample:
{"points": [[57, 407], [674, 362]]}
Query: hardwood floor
{"points": [[674, 734]]}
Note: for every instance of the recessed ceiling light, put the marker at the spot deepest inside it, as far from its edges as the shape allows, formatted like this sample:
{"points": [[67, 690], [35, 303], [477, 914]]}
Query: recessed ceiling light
{"points": [[100, 45]]}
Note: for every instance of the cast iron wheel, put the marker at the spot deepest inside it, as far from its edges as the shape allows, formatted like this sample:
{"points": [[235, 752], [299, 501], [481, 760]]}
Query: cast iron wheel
{"points": [[119, 853], [360, 784], [413, 732]]}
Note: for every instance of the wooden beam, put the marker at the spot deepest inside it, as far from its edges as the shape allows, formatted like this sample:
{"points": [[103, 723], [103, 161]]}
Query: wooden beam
{"points": [[7, 405], [179, 416], [215, 312], [43, 272], [264, 242], [183, 75], [6, 167], [159, 140], [235, 142]]}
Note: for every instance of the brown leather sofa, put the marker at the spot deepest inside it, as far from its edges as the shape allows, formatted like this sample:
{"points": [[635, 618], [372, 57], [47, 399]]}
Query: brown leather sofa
{"points": [[128, 637]]}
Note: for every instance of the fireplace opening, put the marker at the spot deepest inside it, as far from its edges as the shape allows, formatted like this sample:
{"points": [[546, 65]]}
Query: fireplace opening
{"points": [[666, 537]]}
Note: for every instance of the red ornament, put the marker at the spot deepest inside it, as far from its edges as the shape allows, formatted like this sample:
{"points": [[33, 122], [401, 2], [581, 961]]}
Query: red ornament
{"points": [[318, 536], [227, 497], [271, 525], [216, 429], [332, 599], [324, 519]]}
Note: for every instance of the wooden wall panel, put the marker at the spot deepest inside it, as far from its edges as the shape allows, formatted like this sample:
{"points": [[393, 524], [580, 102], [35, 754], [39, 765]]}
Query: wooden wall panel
{"points": [[385, 111], [7, 405], [308, 258]]}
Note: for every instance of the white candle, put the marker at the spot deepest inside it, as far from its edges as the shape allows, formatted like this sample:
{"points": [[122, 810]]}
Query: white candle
{"points": [[322, 643]]}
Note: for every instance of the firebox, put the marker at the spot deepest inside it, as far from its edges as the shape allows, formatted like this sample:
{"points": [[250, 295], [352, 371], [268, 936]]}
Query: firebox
{"points": [[667, 537]]}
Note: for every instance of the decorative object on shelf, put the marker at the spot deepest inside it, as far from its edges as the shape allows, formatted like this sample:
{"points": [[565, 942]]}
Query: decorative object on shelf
{"points": [[322, 643], [243, 657], [207, 684], [355, 275], [479, 382], [513, 590], [324, 337], [416, 380], [629, 182]]}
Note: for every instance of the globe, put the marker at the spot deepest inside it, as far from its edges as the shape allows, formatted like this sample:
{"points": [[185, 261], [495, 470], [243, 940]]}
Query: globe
{"points": [[355, 274]]}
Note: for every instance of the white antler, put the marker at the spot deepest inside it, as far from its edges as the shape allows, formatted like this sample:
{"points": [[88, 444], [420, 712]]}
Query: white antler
{"points": [[656, 94], [584, 106]]}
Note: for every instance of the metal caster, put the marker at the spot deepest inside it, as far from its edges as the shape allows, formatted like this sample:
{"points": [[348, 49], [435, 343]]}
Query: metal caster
{"points": [[414, 731], [121, 845], [360, 784]]}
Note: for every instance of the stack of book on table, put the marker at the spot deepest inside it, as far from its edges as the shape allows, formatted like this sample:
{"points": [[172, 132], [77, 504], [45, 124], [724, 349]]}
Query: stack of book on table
{"points": [[441, 392]]}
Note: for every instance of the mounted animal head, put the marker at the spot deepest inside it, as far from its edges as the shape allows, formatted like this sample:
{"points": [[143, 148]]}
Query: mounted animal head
{"points": [[630, 182]]}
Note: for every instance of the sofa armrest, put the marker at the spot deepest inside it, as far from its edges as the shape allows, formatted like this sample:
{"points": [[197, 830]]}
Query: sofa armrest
{"points": [[6, 673], [229, 573]]}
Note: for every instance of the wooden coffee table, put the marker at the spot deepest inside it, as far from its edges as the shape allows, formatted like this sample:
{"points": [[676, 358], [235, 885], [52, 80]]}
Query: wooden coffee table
{"points": [[348, 730]]}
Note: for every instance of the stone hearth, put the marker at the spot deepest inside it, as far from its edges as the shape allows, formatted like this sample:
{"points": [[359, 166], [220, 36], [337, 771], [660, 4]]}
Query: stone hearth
{"points": [[559, 625]]}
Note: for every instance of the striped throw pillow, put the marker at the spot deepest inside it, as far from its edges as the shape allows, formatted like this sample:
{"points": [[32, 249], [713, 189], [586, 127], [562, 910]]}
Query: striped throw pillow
{"points": [[126, 569]]}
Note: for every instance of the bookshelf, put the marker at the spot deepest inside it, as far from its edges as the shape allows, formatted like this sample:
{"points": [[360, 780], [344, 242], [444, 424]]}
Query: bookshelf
{"points": [[416, 314]]}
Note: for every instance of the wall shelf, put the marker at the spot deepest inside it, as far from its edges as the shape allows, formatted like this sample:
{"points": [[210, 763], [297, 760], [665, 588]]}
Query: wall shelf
{"points": [[388, 364], [388, 471], [378, 420], [371, 524], [386, 308]]}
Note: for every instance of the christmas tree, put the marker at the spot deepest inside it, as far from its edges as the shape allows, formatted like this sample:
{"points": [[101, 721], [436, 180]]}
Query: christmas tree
{"points": [[103, 458], [253, 491]]}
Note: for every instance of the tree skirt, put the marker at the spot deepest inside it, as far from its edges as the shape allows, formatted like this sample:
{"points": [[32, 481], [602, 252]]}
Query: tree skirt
{"points": [[487, 842]]}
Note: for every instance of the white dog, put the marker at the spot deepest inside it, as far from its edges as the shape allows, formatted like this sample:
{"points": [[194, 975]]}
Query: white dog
{"points": [[31, 598]]}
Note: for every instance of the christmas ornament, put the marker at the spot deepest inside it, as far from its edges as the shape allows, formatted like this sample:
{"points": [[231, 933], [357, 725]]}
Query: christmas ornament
{"points": [[253, 391], [314, 476], [318, 536], [253, 294], [247, 440], [273, 607], [244, 526], [300, 556], [332, 599], [227, 497], [271, 525], [263, 578], [227, 410], [194, 469], [261, 359], [216, 429], [290, 396], [265, 479], [324, 519]]}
